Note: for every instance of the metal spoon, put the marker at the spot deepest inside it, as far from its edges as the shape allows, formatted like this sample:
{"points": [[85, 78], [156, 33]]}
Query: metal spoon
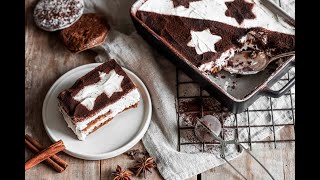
{"points": [[202, 133], [241, 64]]}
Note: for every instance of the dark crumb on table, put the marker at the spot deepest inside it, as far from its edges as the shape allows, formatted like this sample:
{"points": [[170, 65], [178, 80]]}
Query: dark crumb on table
{"points": [[223, 77], [233, 87]]}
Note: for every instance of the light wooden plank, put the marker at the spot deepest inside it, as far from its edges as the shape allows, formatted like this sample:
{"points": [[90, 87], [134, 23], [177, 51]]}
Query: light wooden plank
{"points": [[46, 60], [288, 153], [77, 169]]}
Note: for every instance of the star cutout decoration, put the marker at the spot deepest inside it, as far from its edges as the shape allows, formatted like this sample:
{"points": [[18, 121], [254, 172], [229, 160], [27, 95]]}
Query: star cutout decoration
{"points": [[108, 84], [203, 41], [240, 10], [184, 3]]}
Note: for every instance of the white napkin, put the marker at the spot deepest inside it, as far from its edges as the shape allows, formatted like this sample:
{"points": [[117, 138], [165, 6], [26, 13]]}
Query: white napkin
{"points": [[159, 75]]}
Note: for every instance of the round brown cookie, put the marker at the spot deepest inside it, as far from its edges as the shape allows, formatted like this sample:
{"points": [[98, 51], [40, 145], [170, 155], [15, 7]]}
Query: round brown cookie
{"points": [[89, 31], [53, 15]]}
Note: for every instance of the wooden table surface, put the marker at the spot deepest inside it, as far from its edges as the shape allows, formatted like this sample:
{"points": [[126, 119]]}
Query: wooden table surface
{"points": [[47, 59]]}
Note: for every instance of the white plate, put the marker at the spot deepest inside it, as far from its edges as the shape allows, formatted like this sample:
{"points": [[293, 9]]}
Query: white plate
{"points": [[112, 139]]}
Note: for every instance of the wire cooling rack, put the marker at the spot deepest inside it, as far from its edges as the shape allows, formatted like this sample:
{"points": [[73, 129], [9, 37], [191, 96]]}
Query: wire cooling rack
{"points": [[194, 102]]}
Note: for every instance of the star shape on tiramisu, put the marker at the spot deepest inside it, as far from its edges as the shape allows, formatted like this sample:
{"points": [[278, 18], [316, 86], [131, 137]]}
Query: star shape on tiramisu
{"points": [[240, 10], [203, 41], [184, 3], [109, 84]]}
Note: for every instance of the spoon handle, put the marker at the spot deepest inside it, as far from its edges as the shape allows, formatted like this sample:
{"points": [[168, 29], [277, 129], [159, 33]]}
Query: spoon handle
{"points": [[291, 53]]}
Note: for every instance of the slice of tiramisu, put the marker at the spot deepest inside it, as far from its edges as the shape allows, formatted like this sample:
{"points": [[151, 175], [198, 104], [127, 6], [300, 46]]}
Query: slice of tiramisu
{"points": [[97, 97]]}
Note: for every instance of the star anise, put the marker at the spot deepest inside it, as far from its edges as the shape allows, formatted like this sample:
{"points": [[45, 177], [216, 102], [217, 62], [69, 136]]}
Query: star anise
{"points": [[143, 165], [136, 154], [121, 175]]}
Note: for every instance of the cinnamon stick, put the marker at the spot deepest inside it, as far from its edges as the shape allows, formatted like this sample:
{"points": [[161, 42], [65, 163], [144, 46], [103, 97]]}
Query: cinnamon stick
{"points": [[49, 161], [55, 158], [44, 154]]}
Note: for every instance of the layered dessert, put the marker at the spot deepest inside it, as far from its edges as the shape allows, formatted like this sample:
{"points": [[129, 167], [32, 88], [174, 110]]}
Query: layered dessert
{"points": [[94, 99], [235, 35]]}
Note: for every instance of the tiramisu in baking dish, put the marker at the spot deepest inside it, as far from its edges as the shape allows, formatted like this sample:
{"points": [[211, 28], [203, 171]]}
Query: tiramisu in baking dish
{"points": [[239, 36], [235, 49]]}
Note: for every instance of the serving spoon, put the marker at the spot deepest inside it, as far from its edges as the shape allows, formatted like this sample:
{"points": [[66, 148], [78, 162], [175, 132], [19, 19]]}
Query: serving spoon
{"points": [[241, 64]]}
